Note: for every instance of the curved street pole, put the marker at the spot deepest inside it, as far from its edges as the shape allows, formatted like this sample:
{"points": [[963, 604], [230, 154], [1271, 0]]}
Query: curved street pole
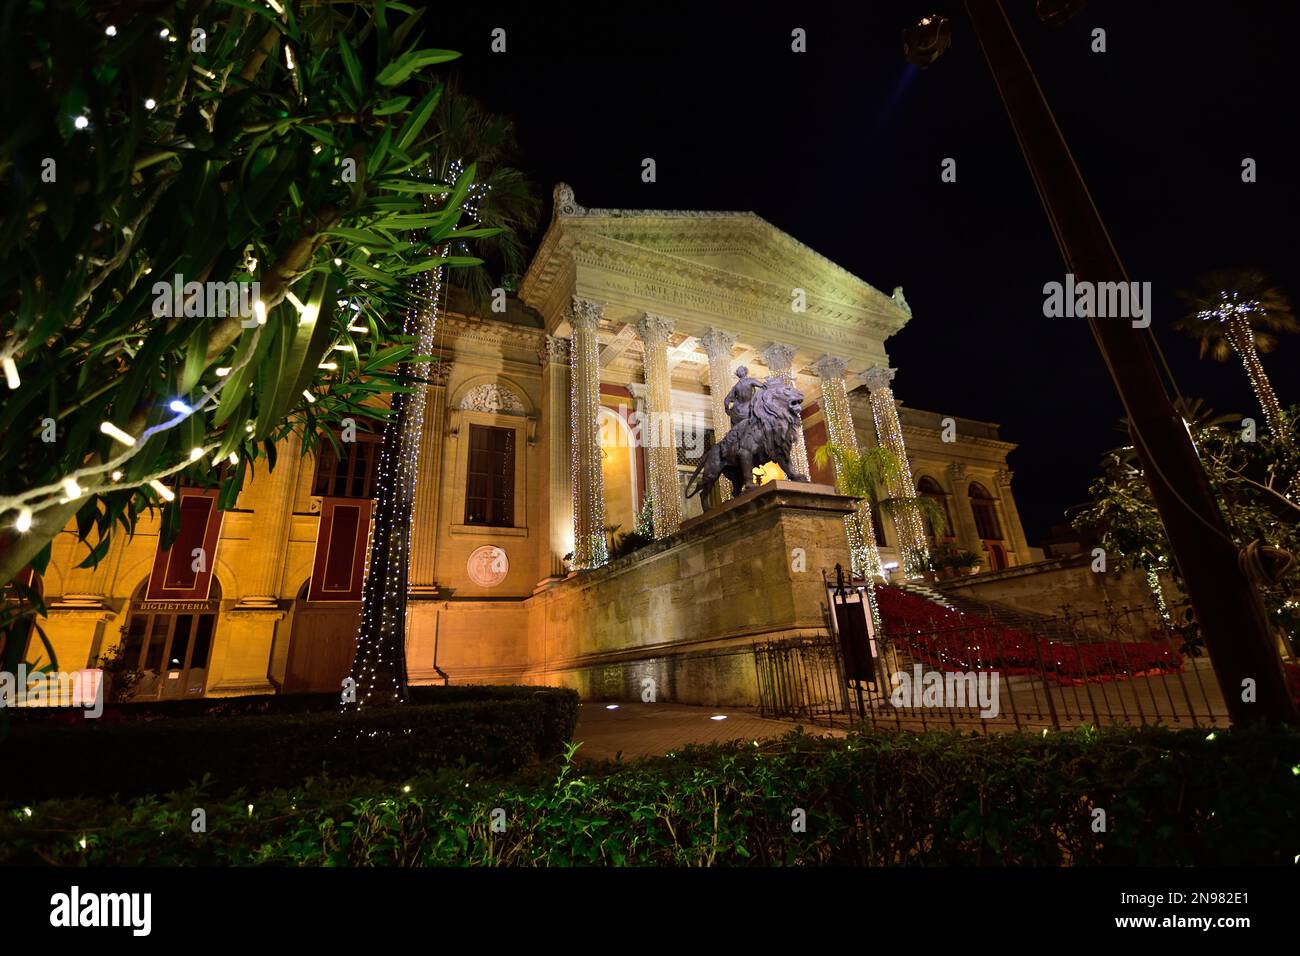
{"points": [[1227, 606]]}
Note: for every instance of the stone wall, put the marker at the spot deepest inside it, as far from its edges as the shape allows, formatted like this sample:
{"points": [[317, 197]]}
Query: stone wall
{"points": [[1043, 587], [683, 611]]}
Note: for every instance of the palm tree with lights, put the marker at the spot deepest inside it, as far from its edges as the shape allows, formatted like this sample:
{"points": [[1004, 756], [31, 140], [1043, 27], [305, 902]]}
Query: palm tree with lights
{"points": [[503, 209], [1241, 311]]}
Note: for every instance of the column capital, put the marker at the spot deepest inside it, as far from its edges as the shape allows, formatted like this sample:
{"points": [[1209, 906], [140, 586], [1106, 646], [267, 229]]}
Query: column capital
{"points": [[553, 350], [638, 391], [1004, 476], [439, 373], [878, 377], [828, 366], [717, 344], [654, 329], [586, 314], [777, 356], [957, 470]]}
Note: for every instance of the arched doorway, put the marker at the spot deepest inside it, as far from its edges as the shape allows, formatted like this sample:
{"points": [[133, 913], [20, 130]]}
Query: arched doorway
{"points": [[170, 643], [927, 487], [984, 507]]}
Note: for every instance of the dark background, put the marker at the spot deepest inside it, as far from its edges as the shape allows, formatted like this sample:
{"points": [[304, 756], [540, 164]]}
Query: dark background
{"points": [[841, 147]]}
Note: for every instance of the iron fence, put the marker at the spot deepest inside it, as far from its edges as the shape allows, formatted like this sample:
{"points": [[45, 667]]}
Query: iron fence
{"points": [[991, 673]]}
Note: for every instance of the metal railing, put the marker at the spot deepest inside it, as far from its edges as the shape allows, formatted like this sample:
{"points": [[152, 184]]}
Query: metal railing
{"points": [[975, 672]]}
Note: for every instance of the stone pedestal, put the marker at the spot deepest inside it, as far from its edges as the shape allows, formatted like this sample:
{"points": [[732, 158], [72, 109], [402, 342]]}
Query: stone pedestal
{"points": [[684, 612]]}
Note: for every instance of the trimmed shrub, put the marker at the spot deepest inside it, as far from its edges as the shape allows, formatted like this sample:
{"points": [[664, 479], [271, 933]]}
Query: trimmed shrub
{"points": [[1170, 798], [497, 732], [266, 704]]}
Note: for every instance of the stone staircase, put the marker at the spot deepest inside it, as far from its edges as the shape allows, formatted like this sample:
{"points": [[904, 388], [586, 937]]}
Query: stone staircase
{"points": [[921, 589], [1039, 625]]}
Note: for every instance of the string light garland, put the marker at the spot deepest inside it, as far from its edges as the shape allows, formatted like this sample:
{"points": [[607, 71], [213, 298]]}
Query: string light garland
{"points": [[717, 345], [1234, 313], [589, 548], [778, 358], [864, 556], [913, 547], [661, 452], [47, 496], [1157, 594], [379, 667], [37, 499]]}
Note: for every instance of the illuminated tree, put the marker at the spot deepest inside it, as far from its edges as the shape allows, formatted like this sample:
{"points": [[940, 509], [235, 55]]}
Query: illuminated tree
{"points": [[221, 141], [502, 207], [1251, 479], [1240, 311]]}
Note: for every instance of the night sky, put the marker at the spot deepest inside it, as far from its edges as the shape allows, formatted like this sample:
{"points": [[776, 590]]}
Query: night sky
{"points": [[841, 147]]}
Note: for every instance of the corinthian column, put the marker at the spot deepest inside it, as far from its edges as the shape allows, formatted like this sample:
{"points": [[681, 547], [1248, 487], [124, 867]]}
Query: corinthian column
{"points": [[428, 488], [962, 513], [864, 556], [912, 544], [778, 357], [661, 452], [1011, 516], [717, 346], [589, 550], [557, 499]]}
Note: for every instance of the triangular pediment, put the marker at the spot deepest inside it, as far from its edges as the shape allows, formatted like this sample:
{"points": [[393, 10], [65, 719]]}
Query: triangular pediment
{"points": [[698, 266], [741, 244]]}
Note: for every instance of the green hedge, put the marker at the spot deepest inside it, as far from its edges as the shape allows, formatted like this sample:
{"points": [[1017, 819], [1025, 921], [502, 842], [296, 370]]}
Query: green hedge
{"points": [[254, 704], [1171, 798], [498, 729]]}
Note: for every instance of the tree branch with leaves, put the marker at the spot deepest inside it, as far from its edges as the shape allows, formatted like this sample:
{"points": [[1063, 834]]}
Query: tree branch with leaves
{"points": [[222, 142]]}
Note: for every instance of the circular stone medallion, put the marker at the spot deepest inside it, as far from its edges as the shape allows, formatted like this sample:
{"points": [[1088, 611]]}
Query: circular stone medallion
{"points": [[487, 566]]}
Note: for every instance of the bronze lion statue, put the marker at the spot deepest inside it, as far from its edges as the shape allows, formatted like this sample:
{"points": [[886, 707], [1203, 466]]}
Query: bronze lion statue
{"points": [[767, 434]]}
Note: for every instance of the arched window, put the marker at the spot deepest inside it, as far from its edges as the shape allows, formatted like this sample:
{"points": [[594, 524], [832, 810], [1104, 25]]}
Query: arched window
{"points": [[170, 643], [985, 509], [927, 487]]}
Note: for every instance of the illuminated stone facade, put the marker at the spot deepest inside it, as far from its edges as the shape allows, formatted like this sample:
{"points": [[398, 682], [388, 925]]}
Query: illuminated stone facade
{"points": [[547, 426]]}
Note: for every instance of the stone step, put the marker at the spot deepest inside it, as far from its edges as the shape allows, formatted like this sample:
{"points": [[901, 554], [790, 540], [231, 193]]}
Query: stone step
{"points": [[1039, 625]]}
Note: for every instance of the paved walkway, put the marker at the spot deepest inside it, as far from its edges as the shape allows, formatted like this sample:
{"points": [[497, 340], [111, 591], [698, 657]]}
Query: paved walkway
{"points": [[641, 730]]}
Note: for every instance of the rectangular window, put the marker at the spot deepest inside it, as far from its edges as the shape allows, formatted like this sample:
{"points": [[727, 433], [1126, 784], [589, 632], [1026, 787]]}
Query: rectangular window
{"points": [[490, 480], [348, 472]]}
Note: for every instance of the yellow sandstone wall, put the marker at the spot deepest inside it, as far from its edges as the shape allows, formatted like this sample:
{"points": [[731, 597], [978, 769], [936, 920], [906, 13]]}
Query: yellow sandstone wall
{"points": [[1043, 587], [685, 611]]}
